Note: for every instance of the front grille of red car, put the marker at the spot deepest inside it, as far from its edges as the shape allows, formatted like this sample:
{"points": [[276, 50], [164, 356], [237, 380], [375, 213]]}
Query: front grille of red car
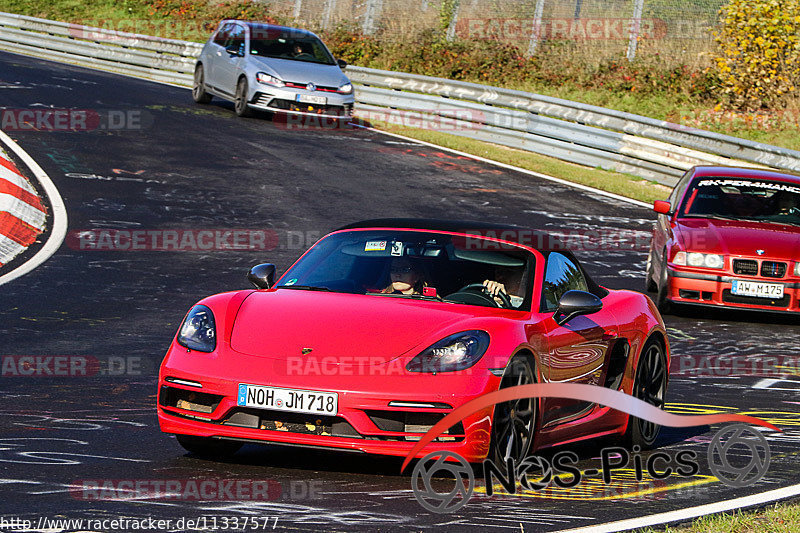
{"points": [[773, 269], [189, 400], [412, 422], [745, 267], [729, 297], [306, 424]]}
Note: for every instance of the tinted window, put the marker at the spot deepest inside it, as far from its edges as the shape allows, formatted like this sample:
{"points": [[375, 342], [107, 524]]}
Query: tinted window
{"points": [[235, 37], [414, 265], [677, 192], [308, 48], [222, 35], [562, 275]]}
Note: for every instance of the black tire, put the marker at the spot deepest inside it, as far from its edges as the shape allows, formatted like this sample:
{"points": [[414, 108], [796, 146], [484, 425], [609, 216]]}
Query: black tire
{"points": [[208, 447], [664, 305], [240, 104], [650, 385], [199, 93], [514, 422], [650, 285]]}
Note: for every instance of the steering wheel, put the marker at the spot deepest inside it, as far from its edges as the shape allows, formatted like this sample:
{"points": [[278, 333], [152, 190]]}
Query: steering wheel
{"points": [[479, 289]]}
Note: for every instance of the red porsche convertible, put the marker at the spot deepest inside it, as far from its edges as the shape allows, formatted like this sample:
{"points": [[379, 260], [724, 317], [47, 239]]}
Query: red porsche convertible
{"points": [[729, 237], [383, 327]]}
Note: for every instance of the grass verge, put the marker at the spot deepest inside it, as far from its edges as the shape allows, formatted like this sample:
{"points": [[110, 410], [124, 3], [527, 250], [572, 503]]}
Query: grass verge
{"points": [[778, 518]]}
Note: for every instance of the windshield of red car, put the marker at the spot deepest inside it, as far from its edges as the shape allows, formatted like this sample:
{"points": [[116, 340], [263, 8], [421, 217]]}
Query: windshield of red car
{"points": [[743, 199], [413, 264]]}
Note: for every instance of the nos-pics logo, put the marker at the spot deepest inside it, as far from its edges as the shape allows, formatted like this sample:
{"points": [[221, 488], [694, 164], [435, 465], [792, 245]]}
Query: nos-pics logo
{"points": [[737, 455]]}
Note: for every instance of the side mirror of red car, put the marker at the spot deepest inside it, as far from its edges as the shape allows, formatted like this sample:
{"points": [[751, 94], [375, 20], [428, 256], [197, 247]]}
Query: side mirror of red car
{"points": [[575, 303], [660, 206], [262, 276]]}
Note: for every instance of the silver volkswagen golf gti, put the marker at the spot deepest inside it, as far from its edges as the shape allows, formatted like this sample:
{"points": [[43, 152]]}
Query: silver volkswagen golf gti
{"points": [[273, 68]]}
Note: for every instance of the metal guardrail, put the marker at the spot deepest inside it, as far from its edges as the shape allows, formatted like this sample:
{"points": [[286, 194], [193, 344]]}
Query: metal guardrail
{"points": [[571, 131]]}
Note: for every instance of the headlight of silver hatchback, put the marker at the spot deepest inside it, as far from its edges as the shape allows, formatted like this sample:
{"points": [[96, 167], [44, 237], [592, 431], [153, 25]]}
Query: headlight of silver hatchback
{"points": [[267, 79]]}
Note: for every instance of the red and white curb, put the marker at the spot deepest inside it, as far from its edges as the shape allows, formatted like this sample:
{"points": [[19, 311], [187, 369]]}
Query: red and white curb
{"points": [[23, 214]]}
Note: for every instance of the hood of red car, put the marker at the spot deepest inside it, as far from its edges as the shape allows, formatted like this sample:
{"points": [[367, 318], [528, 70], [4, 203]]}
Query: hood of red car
{"points": [[282, 323], [739, 237]]}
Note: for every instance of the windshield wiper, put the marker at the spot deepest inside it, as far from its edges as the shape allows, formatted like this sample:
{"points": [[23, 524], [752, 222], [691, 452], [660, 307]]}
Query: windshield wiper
{"points": [[412, 296], [304, 288], [718, 217]]}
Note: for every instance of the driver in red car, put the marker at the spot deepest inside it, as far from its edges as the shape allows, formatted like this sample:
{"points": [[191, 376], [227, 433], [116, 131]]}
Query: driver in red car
{"points": [[509, 281], [405, 278]]}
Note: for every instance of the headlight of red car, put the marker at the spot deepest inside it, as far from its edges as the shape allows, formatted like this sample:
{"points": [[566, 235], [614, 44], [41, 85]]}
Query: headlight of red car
{"points": [[456, 352], [696, 259], [797, 268], [199, 331]]}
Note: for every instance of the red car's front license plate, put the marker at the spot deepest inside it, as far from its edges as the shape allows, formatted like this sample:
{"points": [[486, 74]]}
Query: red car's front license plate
{"points": [[757, 289], [293, 400]]}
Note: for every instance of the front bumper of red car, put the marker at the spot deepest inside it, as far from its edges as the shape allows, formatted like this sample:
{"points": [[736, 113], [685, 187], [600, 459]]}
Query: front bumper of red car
{"points": [[379, 412], [695, 287]]}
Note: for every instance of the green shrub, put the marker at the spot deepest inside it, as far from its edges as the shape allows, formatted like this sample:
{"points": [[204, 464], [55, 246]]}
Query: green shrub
{"points": [[351, 45], [758, 59]]}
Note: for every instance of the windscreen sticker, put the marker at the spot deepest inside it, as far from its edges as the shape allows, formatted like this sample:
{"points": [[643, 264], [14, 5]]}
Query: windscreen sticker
{"points": [[397, 248], [771, 185], [375, 246], [291, 281]]}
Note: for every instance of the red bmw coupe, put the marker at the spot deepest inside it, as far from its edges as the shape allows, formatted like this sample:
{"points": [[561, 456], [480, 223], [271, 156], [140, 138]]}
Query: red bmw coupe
{"points": [[728, 237], [383, 327]]}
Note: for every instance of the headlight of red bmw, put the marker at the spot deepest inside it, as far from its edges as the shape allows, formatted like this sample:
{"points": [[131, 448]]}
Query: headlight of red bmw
{"points": [[456, 352], [696, 259], [199, 331]]}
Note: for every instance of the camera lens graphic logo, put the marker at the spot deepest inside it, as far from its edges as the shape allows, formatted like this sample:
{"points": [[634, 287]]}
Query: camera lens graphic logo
{"points": [[534, 473], [442, 502], [738, 455]]}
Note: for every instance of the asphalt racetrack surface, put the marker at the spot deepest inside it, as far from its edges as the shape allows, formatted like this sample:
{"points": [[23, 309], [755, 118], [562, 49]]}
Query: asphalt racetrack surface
{"points": [[176, 165]]}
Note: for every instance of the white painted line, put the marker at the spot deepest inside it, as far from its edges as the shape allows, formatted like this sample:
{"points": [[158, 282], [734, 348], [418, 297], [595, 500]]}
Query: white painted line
{"points": [[89, 66], [682, 515], [59, 231], [518, 169]]}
